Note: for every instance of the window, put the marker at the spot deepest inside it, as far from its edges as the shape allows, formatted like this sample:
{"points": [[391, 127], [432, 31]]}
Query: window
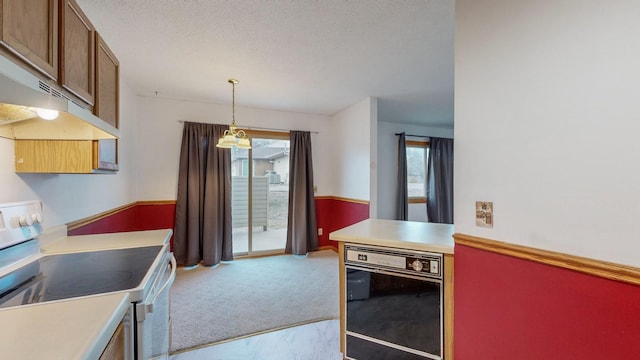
{"points": [[417, 157]]}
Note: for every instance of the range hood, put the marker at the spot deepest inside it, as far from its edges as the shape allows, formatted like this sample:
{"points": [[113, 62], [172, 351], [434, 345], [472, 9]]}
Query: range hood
{"points": [[22, 92]]}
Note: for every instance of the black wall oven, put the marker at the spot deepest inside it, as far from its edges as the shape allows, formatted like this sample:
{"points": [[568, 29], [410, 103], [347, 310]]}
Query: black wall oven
{"points": [[393, 304]]}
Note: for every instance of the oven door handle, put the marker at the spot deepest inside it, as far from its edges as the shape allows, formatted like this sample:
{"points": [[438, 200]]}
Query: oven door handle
{"points": [[172, 277]]}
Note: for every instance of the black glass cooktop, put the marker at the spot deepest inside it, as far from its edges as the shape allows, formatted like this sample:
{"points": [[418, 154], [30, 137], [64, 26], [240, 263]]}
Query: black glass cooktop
{"points": [[63, 276]]}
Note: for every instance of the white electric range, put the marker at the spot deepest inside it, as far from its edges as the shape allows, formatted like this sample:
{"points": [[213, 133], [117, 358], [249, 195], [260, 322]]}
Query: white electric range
{"points": [[28, 276]]}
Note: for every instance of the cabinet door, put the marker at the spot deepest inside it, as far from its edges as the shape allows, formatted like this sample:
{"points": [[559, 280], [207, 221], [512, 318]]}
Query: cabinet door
{"points": [[54, 156], [107, 84], [116, 347], [77, 49], [105, 154], [29, 29]]}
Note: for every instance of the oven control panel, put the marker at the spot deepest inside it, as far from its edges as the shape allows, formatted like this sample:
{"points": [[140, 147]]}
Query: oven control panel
{"points": [[19, 222], [431, 266], [411, 262]]}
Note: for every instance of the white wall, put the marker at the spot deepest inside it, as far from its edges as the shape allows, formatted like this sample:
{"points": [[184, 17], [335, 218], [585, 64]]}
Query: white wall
{"points": [[388, 166], [71, 197], [373, 165], [160, 135], [351, 159], [547, 124]]}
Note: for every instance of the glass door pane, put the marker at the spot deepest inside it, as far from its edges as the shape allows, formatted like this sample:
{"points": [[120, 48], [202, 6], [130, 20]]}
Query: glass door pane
{"points": [[240, 200], [260, 203], [270, 195]]}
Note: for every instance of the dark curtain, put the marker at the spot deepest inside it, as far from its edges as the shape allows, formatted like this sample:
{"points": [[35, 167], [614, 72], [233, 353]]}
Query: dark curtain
{"points": [[402, 201], [203, 206], [440, 181], [301, 228]]}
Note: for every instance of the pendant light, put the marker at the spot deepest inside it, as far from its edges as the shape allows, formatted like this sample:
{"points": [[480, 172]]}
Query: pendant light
{"points": [[234, 137]]}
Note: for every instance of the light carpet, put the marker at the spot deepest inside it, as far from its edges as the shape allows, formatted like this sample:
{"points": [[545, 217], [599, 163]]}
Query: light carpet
{"points": [[249, 296]]}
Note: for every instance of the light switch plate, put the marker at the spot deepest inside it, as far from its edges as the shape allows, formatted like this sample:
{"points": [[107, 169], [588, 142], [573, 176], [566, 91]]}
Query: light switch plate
{"points": [[484, 214]]}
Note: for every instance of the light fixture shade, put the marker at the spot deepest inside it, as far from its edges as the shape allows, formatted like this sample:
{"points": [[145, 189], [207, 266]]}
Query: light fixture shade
{"points": [[47, 114], [244, 143], [226, 142]]}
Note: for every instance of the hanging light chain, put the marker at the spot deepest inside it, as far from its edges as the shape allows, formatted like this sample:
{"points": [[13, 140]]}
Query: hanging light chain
{"points": [[233, 83], [233, 137]]}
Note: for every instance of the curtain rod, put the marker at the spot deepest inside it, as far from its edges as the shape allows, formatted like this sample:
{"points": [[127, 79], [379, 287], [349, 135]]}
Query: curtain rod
{"points": [[257, 128], [424, 136]]}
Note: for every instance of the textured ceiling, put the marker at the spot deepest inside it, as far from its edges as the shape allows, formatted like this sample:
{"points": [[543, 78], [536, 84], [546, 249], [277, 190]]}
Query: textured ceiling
{"points": [[302, 56]]}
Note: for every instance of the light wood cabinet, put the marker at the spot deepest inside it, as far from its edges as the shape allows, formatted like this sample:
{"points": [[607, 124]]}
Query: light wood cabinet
{"points": [[107, 105], [115, 349], [66, 156], [448, 306], [77, 52], [29, 29]]}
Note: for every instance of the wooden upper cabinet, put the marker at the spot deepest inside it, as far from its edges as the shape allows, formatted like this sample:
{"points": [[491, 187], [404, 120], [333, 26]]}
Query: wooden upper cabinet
{"points": [[77, 50], [29, 29], [107, 106], [66, 156]]}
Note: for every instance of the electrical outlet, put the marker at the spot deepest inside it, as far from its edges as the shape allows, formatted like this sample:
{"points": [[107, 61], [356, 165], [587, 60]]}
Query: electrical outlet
{"points": [[484, 214], [315, 189], [319, 231]]}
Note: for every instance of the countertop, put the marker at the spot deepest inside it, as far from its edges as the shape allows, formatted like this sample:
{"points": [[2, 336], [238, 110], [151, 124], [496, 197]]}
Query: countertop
{"points": [[70, 329], [119, 240], [74, 328], [412, 235]]}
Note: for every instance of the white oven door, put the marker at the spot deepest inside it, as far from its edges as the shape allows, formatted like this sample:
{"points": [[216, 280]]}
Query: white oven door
{"points": [[152, 317]]}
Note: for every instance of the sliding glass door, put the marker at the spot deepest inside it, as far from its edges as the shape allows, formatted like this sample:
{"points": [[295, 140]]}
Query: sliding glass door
{"points": [[259, 202]]}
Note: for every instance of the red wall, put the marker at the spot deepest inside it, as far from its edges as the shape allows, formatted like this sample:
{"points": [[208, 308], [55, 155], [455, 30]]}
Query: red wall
{"points": [[156, 216], [138, 217], [331, 213], [509, 308], [335, 213]]}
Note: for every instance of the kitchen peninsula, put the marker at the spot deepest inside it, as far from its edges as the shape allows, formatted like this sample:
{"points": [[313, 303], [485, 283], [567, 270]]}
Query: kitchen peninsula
{"points": [[388, 256]]}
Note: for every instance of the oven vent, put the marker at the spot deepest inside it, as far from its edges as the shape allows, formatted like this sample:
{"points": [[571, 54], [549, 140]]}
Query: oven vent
{"points": [[49, 90], [54, 92], [22, 91]]}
